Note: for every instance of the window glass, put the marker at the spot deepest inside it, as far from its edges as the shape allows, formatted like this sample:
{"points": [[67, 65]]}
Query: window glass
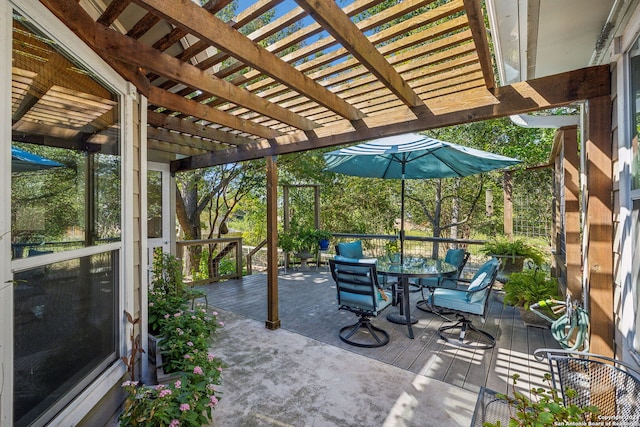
{"points": [[65, 326], [65, 194], [154, 204], [635, 111], [65, 150]]}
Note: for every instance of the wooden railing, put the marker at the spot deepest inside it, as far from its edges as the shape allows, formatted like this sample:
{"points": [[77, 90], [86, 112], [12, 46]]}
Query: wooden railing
{"points": [[375, 245], [216, 251]]}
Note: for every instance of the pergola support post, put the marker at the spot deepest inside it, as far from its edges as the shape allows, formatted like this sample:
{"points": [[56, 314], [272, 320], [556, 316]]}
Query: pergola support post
{"points": [[273, 319], [570, 168], [598, 250]]}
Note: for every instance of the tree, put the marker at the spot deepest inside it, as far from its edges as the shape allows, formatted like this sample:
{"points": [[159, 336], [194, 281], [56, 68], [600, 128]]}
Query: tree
{"points": [[216, 190]]}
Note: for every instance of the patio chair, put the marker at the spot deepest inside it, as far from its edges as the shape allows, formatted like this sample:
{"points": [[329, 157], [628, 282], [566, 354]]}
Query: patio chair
{"points": [[466, 301], [456, 257], [352, 251], [359, 292], [610, 384]]}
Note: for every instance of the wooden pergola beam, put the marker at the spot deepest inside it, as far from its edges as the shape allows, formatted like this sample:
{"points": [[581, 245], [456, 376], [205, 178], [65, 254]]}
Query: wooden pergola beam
{"points": [[193, 128], [189, 16], [476, 23], [175, 102], [338, 24], [113, 44], [457, 108]]}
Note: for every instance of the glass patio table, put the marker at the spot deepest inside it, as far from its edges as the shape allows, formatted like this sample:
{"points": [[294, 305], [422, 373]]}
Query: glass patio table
{"points": [[411, 268]]}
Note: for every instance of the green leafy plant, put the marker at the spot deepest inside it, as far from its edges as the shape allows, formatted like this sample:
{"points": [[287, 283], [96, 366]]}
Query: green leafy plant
{"points": [[301, 239], [544, 408], [503, 247], [188, 401], [529, 287], [184, 332], [184, 344]]}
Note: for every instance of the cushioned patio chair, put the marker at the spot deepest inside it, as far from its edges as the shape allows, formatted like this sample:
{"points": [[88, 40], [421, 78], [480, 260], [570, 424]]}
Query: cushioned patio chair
{"points": [[466, 301], [352, 251], [359, 292], [456, 257]]}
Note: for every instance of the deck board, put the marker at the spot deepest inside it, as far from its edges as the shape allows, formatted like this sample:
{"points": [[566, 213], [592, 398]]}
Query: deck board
{"points": [[308, 306]]}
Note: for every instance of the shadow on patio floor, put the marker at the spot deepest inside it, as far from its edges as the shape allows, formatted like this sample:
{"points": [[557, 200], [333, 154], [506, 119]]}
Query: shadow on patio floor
{"points": [[281, 378]]}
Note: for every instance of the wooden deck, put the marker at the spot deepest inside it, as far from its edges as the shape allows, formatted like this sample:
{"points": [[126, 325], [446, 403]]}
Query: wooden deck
{"points": [[308, 306]]}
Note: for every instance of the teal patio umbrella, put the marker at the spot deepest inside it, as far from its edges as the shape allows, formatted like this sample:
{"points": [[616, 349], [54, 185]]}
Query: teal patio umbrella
{"points": [[24, 161], [412, 156]]}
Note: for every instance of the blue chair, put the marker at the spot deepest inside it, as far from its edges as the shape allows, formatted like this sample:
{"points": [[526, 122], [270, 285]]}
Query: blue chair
{"points": [[359, 292], [350, 249], [465, 301], [456, 257]]}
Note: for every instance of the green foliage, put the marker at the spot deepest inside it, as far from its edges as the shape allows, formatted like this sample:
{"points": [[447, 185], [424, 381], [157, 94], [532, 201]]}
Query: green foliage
{"points": [[503, 246], [301, 238], [167, 274], [183, 333], [529, 287], [184, 341], [188, 401], [545, 408]]}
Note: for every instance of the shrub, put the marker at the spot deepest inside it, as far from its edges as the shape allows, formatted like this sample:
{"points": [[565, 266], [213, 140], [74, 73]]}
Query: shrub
{"points": [[529, 287], [501, 246]]}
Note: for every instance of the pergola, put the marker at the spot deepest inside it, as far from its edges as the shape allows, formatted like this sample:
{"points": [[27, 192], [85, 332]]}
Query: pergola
{"points": [[218, 93]]}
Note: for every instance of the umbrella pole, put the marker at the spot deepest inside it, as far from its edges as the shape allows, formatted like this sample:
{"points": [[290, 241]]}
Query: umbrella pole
{"points": [[402, 221]]}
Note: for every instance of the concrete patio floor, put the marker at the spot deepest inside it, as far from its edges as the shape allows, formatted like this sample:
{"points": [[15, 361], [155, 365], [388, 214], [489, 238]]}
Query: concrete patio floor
{"points": [[280, 378]]}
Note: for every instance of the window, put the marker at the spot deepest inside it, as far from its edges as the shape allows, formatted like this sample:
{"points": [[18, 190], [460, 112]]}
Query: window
{"points": [[65, 225], [634, 60], [65, 327]]}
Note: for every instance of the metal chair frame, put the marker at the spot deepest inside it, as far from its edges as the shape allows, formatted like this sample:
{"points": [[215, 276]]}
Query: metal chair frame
{"points": [[610, 384], [360, 279]]}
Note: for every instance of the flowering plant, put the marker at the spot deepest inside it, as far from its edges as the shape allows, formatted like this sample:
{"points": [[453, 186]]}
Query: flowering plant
{"points": [[187, 401], [184, 333]]}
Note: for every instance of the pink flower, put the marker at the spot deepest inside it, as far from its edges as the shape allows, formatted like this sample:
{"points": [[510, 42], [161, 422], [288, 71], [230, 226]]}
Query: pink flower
{"points": [[221, 323], [129, 383], [189, 343], [150, 304], [214, 400], [160, 386], [210, 357], [194, 317], [178, 384], [177, 314], [165, 392], [188, 356], [166, 316], [174, 423], [198, 370], [215, 313], [185, 407]]}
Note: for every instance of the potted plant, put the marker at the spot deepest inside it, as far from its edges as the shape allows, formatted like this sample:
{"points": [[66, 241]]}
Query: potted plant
{"points": [[324, 239], [302, 241], [512, 254], [528, 287]]}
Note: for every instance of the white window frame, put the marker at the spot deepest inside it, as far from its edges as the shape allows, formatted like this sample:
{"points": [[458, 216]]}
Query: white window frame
{"points": [[628, 325], [70, 43]]}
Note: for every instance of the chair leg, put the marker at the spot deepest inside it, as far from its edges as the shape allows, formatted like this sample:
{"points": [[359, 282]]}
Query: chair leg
{"points": [[465, 325], [364, 326]]}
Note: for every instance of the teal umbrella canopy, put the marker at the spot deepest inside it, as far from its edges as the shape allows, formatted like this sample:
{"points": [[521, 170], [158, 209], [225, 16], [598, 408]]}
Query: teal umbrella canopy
{"points": [[412, 156], [24, 161]]}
